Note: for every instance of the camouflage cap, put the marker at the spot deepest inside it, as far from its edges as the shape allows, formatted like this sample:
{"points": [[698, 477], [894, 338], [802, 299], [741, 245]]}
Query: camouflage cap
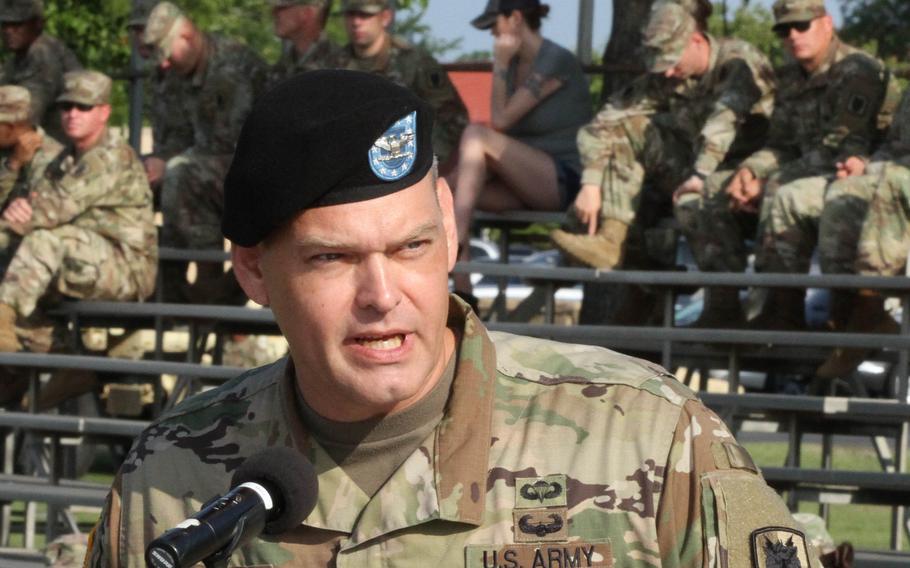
{"points": [[666, 35], [365, 6], [86, 88], [285, 3], [20, 10], [786, 11], [161, 28], [15, 103], [139, 15]]}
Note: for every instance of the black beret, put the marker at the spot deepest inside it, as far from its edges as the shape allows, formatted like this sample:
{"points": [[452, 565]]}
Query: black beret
{"points": [[323, 138]]}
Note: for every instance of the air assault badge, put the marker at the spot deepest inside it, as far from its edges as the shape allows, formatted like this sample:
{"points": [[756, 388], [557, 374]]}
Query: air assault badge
{"points": [[779, 547], [392, 156]]}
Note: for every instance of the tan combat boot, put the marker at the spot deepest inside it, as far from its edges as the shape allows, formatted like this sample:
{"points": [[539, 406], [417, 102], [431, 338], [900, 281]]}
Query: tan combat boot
{"points": [[868, 316], [722, 310], [9, 342], [604, 249]]}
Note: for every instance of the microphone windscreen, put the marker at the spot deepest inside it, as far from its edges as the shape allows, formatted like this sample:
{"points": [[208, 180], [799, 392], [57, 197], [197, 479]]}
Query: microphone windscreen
{"points": [[293, 479]]}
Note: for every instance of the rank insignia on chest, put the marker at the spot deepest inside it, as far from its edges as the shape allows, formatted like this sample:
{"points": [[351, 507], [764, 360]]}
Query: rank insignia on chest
{"points": [[779, 547], [393, 154]]}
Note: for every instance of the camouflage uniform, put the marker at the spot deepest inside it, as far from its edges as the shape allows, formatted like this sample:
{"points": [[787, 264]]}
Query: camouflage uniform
{"points": [[92, 233], [215, 99], [819, 119], [666, 130], [847, 200], [541, 455], [417, 70], [884, 241], [39, 68], [318, 56]]}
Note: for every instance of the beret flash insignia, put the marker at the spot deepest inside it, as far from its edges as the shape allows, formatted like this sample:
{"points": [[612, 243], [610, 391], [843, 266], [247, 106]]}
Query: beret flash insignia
{"points": [[393, 154]]}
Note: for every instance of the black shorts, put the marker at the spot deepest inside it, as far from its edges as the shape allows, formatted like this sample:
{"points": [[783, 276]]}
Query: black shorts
{"points": [[568, 183]]}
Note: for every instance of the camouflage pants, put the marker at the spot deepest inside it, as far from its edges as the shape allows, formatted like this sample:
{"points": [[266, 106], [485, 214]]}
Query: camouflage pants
{"points": [[717, 235], [845, 208], [638, 148], [192, 200], [884, 241], [66, 260]]}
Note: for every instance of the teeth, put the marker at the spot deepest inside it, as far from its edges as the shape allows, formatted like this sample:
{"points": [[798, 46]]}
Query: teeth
{"points": [[384, 343]]}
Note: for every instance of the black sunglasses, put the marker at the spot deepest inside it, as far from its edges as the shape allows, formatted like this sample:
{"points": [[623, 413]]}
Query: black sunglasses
{"points": [[783, 30], [67, 106]]}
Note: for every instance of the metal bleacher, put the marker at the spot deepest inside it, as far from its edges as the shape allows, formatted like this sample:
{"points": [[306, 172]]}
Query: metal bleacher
{"points": [[674, 347]]}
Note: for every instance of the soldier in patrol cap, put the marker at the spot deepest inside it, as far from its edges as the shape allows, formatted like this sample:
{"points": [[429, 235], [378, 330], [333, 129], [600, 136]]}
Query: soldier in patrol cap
{"points": [[435, 441], [86, 224], [301, 23], [704, 103], [833, 103], [371, 47], [25, 151], [216, 80], [38, 60]]}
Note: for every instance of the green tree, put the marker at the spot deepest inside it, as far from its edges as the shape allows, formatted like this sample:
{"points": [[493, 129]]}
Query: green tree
{"points": [[751, 23], [878, 24]]}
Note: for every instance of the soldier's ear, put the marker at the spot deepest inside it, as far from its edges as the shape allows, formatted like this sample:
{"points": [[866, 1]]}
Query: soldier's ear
{"points": [[446, 205], [247, 266]]}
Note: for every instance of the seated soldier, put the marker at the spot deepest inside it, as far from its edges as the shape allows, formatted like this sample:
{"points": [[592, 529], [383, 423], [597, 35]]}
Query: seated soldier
{"points": [[301, 24], [373, 48], [25, 151], [38, 60], [826, 109], [213, 81], [87, 226], [705, 102], [878, 245]]}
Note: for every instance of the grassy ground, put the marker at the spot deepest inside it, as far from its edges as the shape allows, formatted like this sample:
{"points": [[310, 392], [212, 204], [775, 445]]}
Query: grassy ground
{"points": [[867, 527]]}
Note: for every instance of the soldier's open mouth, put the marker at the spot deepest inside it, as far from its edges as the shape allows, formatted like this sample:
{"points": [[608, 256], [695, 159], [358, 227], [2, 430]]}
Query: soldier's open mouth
{"points": [[382, 343]]}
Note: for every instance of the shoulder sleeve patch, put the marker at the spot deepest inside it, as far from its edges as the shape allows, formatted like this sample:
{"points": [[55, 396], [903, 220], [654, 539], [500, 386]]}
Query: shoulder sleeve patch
{"points": [[779, 547], [858, 105]]}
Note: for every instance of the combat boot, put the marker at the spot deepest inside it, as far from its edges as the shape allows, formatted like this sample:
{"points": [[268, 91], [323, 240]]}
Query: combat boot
{"points": [[867, 316], [782, 311], [9, 342], [722, 310], [604, 249]]}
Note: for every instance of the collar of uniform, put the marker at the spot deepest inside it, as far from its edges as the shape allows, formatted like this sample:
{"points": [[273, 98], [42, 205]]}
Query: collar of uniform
{"points": [[298, 57], [834, 55], [102, 141], [445, 479]]}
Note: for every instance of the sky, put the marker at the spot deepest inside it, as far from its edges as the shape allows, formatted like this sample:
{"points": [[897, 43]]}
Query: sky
{"points": [[450, 19]]}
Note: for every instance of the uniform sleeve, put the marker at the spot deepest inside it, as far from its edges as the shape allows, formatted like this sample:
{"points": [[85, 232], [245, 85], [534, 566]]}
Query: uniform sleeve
{"points": [[593, 139], [57, 202], [234, 93], [172, 131], [715, 508], [897, 145], [103, 544], [781, 147], [432, 84], [740, 88], [7, 182]]}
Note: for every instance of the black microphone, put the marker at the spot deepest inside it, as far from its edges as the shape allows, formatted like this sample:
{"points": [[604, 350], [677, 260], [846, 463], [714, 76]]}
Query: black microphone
{"points": [[273, 492]]}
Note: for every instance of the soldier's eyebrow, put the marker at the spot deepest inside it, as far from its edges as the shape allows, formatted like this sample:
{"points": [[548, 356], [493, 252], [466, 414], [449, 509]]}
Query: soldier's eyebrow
{"points": [[423, 231]]}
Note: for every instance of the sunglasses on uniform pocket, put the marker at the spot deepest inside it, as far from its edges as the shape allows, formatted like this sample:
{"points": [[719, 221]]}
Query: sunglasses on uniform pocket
{"points": [[66, 107], [783, 30]]}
